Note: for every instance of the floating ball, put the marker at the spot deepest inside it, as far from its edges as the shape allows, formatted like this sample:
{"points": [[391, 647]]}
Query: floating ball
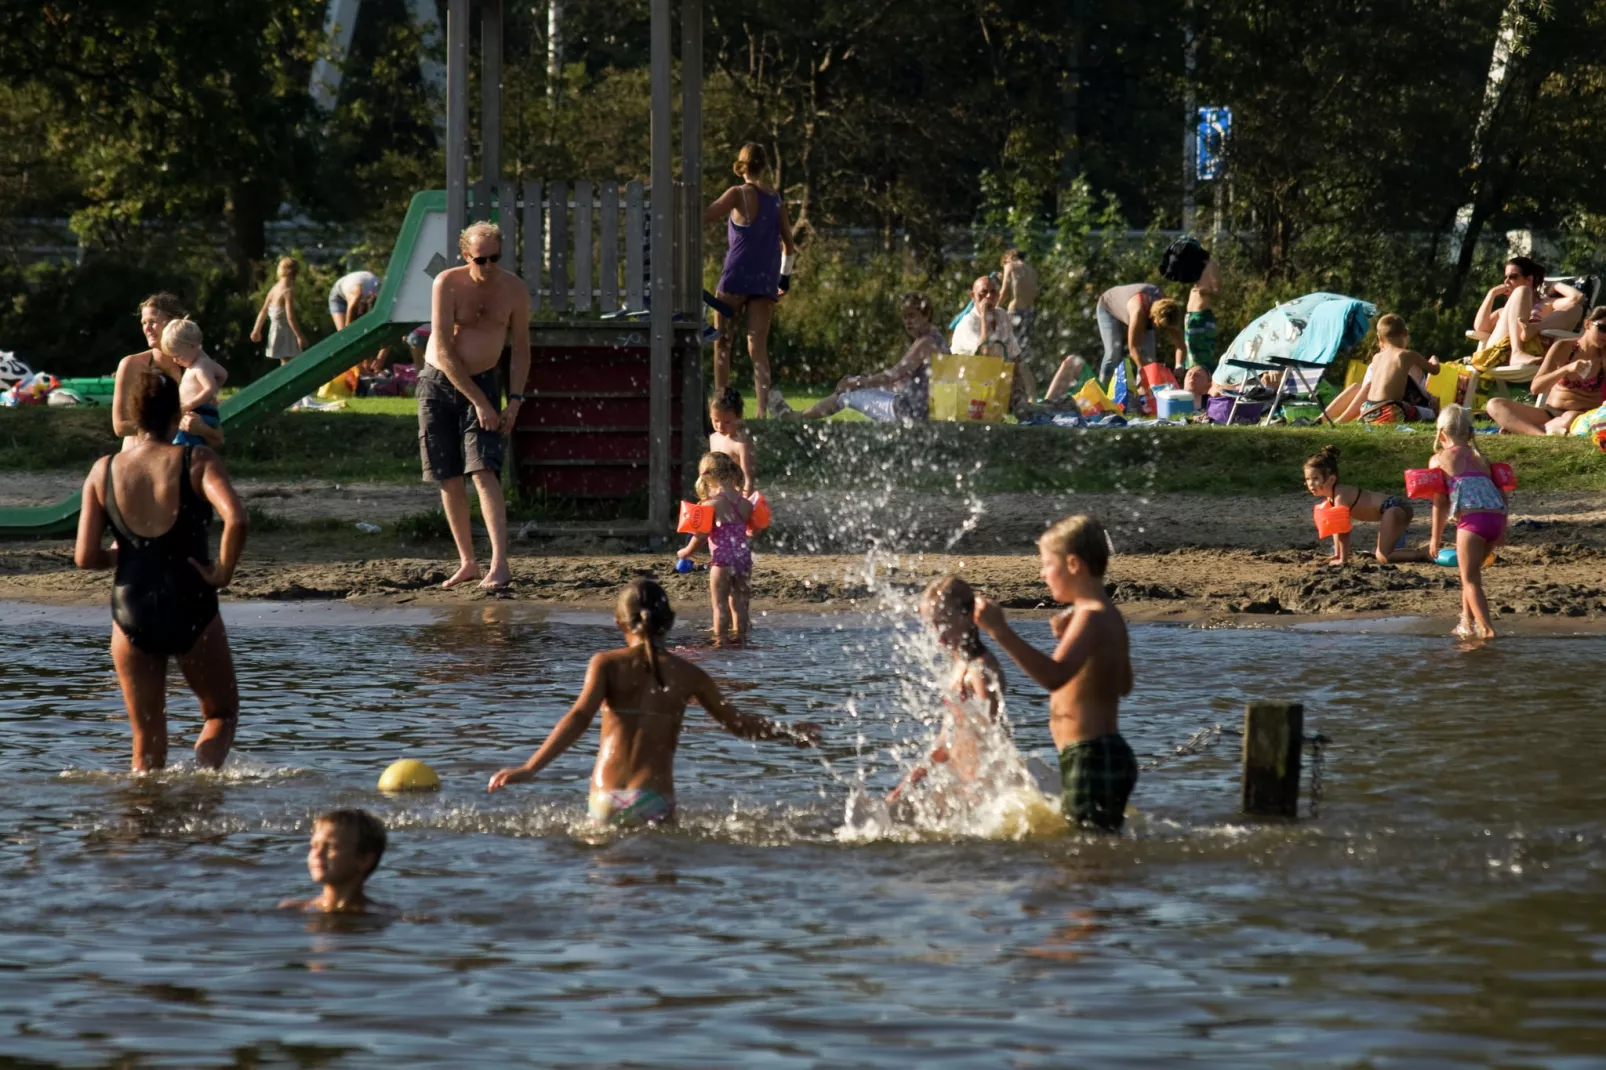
{"points": [[683, 565], [409, 775]]}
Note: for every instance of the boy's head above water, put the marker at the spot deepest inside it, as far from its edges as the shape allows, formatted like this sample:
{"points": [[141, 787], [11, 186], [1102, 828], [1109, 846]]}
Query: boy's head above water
{"points": [[346, 848], [1074, 553], [948, 606]]}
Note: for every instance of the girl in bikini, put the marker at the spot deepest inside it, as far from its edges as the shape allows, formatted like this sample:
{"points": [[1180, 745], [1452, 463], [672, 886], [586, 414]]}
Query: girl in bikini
{"points": [[1479, 509], [955, 772], [1392, 513], [1572, 380], [730, 571], [642, 692]]}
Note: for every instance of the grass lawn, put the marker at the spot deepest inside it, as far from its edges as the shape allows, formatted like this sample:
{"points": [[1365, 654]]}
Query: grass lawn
{"points": [[376, 439]]}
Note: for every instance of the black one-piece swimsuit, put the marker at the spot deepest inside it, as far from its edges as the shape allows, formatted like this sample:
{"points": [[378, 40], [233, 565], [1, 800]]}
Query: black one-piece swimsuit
{"points": [[159, 600]]}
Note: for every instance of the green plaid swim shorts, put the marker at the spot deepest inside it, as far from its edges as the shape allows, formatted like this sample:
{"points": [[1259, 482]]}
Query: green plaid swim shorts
{"points": [[1097, 776]]}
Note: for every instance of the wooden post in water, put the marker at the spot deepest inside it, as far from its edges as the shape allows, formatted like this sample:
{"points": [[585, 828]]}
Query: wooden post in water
{"points": [[1274, 739]]}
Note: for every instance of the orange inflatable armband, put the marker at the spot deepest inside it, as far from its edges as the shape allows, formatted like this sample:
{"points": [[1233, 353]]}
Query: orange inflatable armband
{"points": [[760, 517], [1424, 483], [1331, 520], [1157, 375], [695, 519], [1503, 476]]}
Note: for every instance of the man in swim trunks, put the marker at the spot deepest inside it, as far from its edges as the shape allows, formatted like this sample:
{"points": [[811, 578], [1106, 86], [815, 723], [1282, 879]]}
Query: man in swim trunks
{"points": [[474, 309], [1199, 333], [1018, 294]]}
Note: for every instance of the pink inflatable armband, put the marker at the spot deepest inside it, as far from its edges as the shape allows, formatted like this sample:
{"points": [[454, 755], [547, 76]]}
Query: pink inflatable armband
{"points": [[695, 519], [1424, 483], [1331, 520]]}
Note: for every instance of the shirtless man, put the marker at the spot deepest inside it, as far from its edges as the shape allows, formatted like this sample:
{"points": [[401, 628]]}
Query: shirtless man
{"points": [[1199, 331], [1380, 398], [1515, 329], [474, 308], [1018, 294], [1088, 674]]}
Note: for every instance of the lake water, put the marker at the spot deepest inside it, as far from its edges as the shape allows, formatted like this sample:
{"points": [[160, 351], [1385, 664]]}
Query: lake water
{"points": [[1447, 908]]}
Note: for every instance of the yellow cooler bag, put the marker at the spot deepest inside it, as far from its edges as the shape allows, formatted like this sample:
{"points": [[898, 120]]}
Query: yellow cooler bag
{"points": [[970, 388]]}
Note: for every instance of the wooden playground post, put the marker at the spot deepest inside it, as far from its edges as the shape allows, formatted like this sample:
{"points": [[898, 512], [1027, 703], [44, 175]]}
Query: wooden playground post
{"points": [[1274, 738]]}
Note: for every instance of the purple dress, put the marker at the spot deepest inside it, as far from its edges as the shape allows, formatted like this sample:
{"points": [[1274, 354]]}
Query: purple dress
{"points": [[728, 542], [753, 262]]}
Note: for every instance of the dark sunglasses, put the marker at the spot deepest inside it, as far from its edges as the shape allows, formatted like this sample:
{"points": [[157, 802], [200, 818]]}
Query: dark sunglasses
{"points": [[1514, 278], [493, 258], [1599, 325]]}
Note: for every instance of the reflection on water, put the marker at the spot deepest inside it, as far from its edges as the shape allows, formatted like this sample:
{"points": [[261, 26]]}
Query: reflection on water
{"points": [[1446, 909]]}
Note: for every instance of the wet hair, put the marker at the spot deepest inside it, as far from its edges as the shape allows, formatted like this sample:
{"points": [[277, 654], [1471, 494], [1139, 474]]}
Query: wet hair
{"points": [[367, 832], [155, 403], [1324, 461], [751, 161], [1166, 314], [288, 267], [1455, 423], [167, 304], [1391, 329], [643, 609], [1083, 536], [180, 332], [716, 470], [1529, 267], [728, 400], [482, 229], [957, 601], [917, 301]]}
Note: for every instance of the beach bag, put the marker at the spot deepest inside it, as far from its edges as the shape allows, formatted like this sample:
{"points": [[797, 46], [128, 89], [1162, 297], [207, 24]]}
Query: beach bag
{"points": [[1184, 260]]}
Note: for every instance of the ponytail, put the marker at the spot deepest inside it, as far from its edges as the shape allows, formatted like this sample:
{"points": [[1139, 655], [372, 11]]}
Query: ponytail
{"points": [[643, 609]]}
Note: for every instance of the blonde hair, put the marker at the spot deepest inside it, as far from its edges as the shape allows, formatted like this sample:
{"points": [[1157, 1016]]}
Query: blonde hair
{"points": [[751, 161], [1166, 314], [1455, 424], [288, 267], [180, 332], [1083, 536], [716, 471], [482, 229], [1391, 330]]}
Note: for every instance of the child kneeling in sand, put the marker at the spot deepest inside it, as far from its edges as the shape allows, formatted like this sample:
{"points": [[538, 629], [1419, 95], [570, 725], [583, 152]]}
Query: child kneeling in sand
{"points": [[642, 691], [345, 850], [1088, 674], [1391, 513]]}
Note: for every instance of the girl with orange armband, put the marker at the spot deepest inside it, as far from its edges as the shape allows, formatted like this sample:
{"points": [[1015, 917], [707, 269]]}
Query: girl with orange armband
{"points": [[730, 570], [1392, 513]]}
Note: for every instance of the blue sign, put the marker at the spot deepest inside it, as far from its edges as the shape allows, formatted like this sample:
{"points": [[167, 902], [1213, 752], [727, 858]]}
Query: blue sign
{"points": [[1211, 141]]}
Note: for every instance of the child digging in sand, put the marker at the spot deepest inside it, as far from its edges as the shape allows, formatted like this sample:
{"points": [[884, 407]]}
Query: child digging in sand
{"points": [[730, 435], [642, 691], [198, 389], [1391, 513], [730, 569], [345, 850], [1088, 674], [973, 707], [1479, 508]]}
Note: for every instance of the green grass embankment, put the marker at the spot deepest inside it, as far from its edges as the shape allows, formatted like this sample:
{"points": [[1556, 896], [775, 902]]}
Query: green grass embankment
{"points": [[359, 446]]}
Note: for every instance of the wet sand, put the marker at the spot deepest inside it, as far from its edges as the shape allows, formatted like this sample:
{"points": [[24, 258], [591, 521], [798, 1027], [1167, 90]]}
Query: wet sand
{"points": [[1179, 557]]}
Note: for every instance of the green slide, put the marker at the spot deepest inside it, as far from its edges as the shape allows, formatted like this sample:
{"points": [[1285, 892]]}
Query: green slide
{"points": [[403, 298]]}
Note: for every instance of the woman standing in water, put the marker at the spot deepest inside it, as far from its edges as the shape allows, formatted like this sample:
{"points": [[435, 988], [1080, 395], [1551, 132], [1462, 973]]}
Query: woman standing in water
{"points": [[158, 500], [758, 232]]}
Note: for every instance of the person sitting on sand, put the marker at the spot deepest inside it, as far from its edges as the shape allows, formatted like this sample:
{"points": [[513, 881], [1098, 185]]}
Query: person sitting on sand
{"points": [[1391, 513], [1088, 674], [730, 435], [199, 388], [1572, 381], [1531, 307], [1394, 390], [158, 499], [901, 392], [973, 709], [1479, 509], [345, 850], [642, 692]]}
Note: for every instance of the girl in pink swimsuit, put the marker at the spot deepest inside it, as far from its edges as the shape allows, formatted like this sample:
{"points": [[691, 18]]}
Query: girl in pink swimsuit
{"points": [[730, 571], [1479, 508]]}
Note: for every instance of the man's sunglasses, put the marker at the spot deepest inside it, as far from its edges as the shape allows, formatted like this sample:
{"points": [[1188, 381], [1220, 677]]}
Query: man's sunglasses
{"points": [[493, 258]]}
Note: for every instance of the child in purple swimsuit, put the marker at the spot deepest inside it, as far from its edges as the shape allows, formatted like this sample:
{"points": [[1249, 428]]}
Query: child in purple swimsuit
{"points": [[1479, 508], [730, 571]]}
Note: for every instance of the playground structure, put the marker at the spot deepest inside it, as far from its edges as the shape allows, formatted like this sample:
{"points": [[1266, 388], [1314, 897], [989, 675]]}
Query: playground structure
{"points": [[617, 408]]}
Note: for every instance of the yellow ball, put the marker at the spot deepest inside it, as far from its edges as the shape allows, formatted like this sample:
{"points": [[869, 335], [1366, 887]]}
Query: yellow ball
{"points": [[409, 775]]}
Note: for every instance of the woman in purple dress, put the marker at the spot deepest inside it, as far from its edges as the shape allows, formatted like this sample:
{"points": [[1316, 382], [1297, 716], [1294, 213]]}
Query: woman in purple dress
{"points": [[755, 274]]}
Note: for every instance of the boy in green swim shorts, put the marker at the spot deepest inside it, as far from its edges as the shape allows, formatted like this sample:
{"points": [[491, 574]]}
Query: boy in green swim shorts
{"points": [[1088, 674]]}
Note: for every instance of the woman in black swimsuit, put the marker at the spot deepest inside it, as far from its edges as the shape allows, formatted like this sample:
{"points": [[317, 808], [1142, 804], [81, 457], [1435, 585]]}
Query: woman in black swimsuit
{"points": [[158, 500]]}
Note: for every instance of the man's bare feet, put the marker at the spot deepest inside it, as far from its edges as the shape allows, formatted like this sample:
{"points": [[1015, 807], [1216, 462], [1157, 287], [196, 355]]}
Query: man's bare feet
{"points": [[499, 578], [463, 574]]}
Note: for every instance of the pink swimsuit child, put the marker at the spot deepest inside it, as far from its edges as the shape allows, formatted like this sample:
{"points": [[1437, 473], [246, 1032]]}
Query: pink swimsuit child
{"points": [[727, 542]]}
